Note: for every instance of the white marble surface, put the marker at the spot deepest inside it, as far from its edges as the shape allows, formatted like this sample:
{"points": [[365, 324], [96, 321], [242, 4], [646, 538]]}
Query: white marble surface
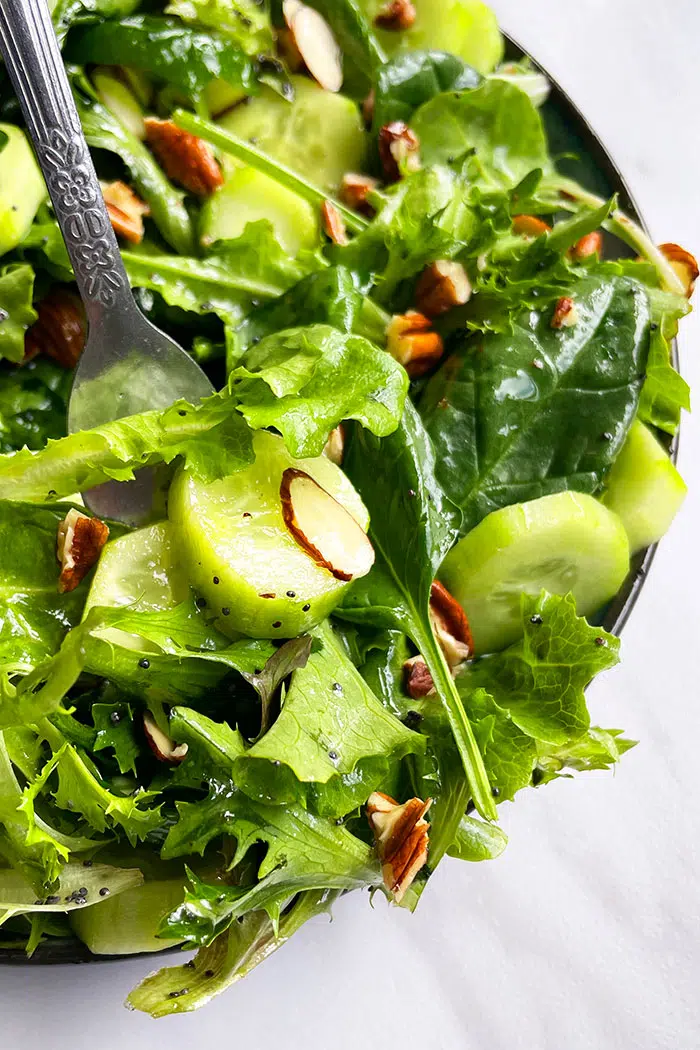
{"points": [[586, 933]]}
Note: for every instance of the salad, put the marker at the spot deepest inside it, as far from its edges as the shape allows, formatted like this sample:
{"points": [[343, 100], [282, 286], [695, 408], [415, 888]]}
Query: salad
{"points": [[365, 611]]}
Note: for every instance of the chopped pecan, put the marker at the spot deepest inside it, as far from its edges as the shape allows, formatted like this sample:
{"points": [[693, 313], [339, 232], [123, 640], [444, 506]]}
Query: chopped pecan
{"points": [[399, 150], [126, 210], [591, 244], [417, 680], [412, 341], [529, 226], [450, 625], [335, 446], [442, 286], [184, 158], [165, 749], [401, 836], [60, 330], [354, 191], [684, 264], [333, 224], [79, 541], [315, 42], [565, 313], [396, 16]]}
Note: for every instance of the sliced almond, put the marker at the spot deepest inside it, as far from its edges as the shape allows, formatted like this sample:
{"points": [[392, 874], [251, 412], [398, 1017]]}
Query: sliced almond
{"points": [[442, 286], [184, 157], [316, 44], [591, 244], [323, 528], [413, 342], [335, 446], [333, 224], [529, 226], [684, 264], [165, 749]]}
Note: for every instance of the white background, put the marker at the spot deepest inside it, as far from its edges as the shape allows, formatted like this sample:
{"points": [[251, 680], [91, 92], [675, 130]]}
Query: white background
{"points": [[586, 933]]}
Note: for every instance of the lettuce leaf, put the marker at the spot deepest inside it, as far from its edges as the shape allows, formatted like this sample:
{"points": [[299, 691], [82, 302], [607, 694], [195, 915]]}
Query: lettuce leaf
{"points": [[33, 402], [246, 22], [16, 310], [19, 897], [413, 78]]}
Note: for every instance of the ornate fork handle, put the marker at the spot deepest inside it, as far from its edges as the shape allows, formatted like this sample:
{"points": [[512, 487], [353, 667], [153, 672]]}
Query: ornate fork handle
{"points": [[34, 62]]}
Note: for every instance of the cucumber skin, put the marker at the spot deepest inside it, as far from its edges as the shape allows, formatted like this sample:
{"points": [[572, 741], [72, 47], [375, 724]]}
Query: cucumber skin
{"points": [[644, 488], [208, 550], [22, 188], [479, 564]]}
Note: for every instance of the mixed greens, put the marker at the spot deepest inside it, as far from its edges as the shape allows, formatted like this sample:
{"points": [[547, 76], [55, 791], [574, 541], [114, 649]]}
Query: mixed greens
{"points": [[355, 626]]}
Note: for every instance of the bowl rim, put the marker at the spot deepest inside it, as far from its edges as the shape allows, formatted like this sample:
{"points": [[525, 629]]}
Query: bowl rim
{"points": [[72, 950]]}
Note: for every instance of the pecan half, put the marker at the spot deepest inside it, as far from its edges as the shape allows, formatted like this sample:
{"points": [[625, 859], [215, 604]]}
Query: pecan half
{"points": [[333, 224], [60, 330], [417, 680], [79, 541], [413, 342], [399, 150], [591, 244], [396, 16], [529, 226], [442, 286], [183, 157], [565, 313], [126, 210], [401, 837], [684, 264], [450, 625], [354, 191]]}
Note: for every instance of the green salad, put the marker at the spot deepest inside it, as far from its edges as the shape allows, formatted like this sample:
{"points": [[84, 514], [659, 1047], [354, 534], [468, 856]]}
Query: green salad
{"points": [[367, 607]]}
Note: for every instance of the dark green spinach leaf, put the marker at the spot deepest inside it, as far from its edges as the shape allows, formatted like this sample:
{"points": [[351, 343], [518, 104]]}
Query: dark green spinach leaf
{"points": [[413, 78], [33, 401]]}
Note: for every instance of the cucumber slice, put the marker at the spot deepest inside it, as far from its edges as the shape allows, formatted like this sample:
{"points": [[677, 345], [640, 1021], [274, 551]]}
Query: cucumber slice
{"points": [[121, 101], [466, 28], [220, 96], [559, 543], [320, 135], [242, 557], [644, 488], [22, 188]]}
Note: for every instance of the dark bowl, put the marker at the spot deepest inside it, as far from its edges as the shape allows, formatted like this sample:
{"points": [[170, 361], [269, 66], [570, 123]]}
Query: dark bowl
{"points": [[586, 159]]}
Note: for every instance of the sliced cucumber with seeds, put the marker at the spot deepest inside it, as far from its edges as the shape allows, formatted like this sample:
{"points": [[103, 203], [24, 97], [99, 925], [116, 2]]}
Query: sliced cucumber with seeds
{"points": [[22, 187], [265, 546], [644, 488], [560, 543]]}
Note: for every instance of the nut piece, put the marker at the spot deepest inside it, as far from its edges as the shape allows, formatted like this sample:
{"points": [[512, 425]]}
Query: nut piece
{"points": [[354, 191], [368, 106], [335, 446], [399, 150], [184, 158], [684, 264], [442, 286], [288, 50], [165, 749], [529, 226], [591, 244], [417, 680], [315, 42], [79, 541], [450, 625], [60, 329], [565, 313], [412, 341], [333, 224], [126, 210], [401, 836], [396, 16]]}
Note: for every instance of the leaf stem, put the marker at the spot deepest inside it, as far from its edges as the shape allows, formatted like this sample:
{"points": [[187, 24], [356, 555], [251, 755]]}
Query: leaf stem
{"points": [[264, 163]]}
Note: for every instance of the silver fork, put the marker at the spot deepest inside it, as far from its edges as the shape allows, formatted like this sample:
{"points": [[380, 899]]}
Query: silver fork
{"points": [[128, 365]]}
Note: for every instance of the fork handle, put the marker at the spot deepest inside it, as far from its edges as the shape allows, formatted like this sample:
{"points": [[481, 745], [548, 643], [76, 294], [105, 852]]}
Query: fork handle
{"points": [[33, 60]]}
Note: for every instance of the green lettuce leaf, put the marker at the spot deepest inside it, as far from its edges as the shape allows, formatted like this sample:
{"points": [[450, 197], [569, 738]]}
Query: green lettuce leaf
{"points": [[665, 393], [16, 310], [519, 415], [19, 897], [33, 402], [332, 744], [246, 22], [477, 841], [303, 381], [115, 729], [597, 749], [66, 13], [412, 78]]}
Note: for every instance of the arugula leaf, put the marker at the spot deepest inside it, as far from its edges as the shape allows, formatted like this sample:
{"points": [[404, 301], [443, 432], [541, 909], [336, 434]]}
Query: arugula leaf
{"points": [[245, 21], [477, 841], [115, 729], [332, 744], [19, 897], [304, 852], [413, 78], [515, 416], [227, 280], [496, 121], [303, 381], [104, 131], [187, 58], [229, 958], [16, 310], [413, 527], [66, 13], [33, 400]]}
